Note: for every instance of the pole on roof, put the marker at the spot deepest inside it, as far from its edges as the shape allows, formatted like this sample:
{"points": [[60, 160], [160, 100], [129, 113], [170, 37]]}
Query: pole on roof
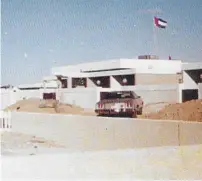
{"points": [[155, 38]]}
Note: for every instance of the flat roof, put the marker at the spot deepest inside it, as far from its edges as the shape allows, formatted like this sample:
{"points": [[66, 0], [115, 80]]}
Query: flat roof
{"points": [[36, 85], [141, 66], [192, 66]]}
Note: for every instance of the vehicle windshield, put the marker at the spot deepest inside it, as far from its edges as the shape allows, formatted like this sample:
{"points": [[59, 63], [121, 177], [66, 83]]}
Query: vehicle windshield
{"points": [[117, 95]]}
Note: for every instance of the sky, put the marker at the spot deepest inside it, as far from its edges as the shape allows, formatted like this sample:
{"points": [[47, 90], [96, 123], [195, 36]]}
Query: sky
{"points": [[39, 34]]}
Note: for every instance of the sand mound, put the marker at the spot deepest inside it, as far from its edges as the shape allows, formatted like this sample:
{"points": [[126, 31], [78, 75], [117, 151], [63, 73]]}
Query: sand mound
{"points": [[188, 111], [155, 107], [32, 105]]}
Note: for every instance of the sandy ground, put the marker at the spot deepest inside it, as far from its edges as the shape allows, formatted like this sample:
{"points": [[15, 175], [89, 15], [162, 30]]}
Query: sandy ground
{"points": [[187, 111], [13, 143], [30, 157], [153, 163], [33, 105], [155, 107]]}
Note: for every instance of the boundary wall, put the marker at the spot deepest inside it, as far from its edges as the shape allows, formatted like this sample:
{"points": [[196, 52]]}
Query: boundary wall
{"points": [[100, 133]]}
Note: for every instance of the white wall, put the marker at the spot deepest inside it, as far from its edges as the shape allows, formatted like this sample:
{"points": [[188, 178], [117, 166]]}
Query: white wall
{"points": [[180, 88], [114, 83], [156, 93], [192, 66], [27, 94], [74, 69], [141, 66], [111, 73], [90, 83], [188, 82], [84, 97], [153, 66], [87, 97], [200, 90], [6, 98], [9, 97]]}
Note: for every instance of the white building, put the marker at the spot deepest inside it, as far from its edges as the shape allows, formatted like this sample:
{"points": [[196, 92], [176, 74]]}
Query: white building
{"points": [[123, 72], [153, 79], [192, 81]]}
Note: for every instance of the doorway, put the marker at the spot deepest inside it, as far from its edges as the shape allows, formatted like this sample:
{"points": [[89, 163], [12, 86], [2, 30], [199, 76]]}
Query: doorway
{"points": [[189, 94]]}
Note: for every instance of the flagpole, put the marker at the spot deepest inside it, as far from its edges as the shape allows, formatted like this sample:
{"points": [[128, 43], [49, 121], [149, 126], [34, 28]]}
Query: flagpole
{"points": [[155, 42]]}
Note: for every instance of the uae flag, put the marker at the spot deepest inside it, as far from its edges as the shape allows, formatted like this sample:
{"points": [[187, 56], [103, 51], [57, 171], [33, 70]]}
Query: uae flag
{"points": [[158, 22]]}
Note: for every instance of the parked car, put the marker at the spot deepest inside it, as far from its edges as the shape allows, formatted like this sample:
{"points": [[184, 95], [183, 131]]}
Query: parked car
{"points": [[119, 103]]}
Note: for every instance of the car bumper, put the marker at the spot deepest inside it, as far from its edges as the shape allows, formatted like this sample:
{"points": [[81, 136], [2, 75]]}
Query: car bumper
{"points": [[115, 112]]}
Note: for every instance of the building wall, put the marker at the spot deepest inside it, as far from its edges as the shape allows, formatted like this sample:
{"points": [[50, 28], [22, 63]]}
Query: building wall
{"points": [[152, 66], [111, 72], [158, 93], [9, 97], [82, 97], [19, 95], [154, 93], [158, 96], [91, 66], [188, 82], [5, 98], [200, 90], [87, 97], [192, 66], [141, 66], [114, 83], [90, 83], [157, 79]]}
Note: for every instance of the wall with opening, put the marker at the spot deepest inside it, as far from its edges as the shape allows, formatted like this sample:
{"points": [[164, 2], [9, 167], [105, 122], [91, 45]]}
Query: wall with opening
{"points": [[191, 79], [200, 90], [125, 80], [103, 82], [189, 94], [79, 82]]}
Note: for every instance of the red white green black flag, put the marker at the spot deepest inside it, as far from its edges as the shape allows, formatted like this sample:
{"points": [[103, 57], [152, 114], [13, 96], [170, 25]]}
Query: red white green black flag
{"points": [[158, 22]]}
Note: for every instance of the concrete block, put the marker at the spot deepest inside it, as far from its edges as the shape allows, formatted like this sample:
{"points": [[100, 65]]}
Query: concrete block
{"points": [[97, 133], [152, 133], [190, 133]]}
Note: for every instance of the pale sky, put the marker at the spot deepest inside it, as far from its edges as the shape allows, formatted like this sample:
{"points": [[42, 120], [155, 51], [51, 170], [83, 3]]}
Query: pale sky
{"points": [[38, 34]]}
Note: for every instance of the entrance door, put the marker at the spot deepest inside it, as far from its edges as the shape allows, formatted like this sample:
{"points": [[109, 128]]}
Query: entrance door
{"points": [[189, 94]]}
